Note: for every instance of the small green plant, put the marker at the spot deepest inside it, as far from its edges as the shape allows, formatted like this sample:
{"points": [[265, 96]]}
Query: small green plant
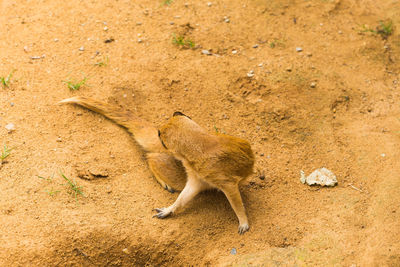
{"points": [[50, 192], [103, 62], [217, 130], [73, 185], [74, 86], [182, 42], [167, 2], [5, 153], [5, 81], [384, 29]]}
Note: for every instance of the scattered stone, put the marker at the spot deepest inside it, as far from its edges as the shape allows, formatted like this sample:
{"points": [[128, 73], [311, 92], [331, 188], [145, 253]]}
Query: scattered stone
{"points": [[289, 69], [340, 32], [255, 46], [126, 251], [383, 155], [250, 74], [139, 40], [322, 176], [299, 49], [105, 28], [12, 104], [233, 251], [38, 57], [10, 127], [59, 139], [234, 51], [260, 65], [26, 48], [209, 4], [226, 19], [172, 23], [309, 54], [56, 40], [313, 84], [139, 23], [81, 48], [206, 52], [109, 40], [177, 17]]}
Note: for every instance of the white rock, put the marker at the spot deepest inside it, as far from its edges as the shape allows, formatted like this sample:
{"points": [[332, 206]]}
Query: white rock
{"points": [[322, 176], [206, 52], [10, 127]]}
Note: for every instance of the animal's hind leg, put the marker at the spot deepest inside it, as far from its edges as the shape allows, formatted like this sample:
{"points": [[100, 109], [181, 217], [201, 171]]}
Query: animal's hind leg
{"points": [[168, 171], [231, 191]]}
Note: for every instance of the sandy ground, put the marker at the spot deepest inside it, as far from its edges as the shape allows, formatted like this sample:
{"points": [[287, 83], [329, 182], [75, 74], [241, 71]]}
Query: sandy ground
{"points": [[334, 104]]}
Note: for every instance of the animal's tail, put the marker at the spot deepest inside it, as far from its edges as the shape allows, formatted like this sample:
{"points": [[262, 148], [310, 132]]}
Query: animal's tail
{"points": [[145, 134]]}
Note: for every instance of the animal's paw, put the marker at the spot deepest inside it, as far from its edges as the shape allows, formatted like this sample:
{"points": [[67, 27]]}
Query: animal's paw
{"points": [[243, 228], [162, 213]]}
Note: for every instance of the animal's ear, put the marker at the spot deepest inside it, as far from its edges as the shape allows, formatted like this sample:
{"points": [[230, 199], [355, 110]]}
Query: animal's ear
{"points": [[178, 113]]}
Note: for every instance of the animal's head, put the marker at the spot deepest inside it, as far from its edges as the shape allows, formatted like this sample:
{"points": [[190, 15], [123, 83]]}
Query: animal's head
{"points": [[181, 135]]}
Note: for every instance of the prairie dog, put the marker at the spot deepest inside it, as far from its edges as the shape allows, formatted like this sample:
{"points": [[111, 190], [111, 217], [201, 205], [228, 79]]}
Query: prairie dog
{"points": [[211, 161], [168, 171]]}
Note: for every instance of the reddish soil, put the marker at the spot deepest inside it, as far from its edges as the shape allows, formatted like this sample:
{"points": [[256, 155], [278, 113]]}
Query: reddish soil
{"points": [[335, 104]]}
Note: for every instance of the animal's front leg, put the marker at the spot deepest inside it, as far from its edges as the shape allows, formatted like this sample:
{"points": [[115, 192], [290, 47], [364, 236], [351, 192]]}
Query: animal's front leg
{"points": [[192, 188]]}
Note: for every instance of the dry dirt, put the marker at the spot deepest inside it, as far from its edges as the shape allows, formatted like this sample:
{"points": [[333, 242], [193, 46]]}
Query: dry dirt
{"points": [[348, 122]]}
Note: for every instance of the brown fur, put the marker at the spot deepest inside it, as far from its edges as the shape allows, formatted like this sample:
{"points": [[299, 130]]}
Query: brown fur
{"points": [[168, 171], [211, 161]]}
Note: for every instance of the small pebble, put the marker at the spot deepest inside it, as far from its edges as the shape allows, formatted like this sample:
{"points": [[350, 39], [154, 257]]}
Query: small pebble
{"points": [[233, 251], [139, 23], [309, 54], [26, 48], [139, 40], [255, 46], [299, 49], [172, 23], [105, 28], [12, 104], [289, 69], [56, 40], [177, 17], [313, 84], [59, 139], [206, 52], [10, 127], [226, 19], [383, 155], [340, 32], [234, 51], [81, 48], [209, 4], [250, 74], [260, 65]]}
